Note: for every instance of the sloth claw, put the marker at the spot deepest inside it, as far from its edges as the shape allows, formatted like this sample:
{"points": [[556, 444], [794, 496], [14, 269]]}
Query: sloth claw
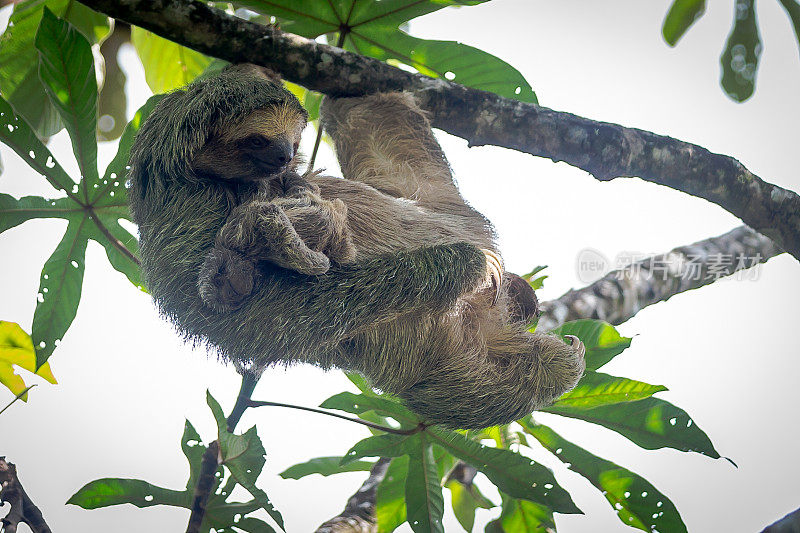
{"points": [[494, 268], [576, 343]]}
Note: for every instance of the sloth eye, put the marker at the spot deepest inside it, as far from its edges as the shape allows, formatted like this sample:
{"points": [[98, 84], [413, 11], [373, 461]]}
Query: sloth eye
{"points": [[256, 142]]}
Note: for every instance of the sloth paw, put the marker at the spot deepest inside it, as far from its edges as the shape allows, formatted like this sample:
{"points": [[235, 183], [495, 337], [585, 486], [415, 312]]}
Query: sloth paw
{"points": [[494, 272], [226, 279]]}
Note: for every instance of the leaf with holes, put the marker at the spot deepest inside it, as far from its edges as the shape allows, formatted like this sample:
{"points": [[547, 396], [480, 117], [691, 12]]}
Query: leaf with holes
{"points": [[167, 65], [325, 466], [739, 61], [637, 502], [512, 473], [424, 501], [17, 134], [386, 445], [60, 289], [650, 423], [390, 500], [66, 68], [373, 29], [596, 388], [682, 14], [16, 349], [19, 60], [243, 456], [602, 341]]}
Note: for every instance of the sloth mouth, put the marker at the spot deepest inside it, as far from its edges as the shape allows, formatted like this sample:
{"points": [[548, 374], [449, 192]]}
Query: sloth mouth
{"points": [[269, 168]]}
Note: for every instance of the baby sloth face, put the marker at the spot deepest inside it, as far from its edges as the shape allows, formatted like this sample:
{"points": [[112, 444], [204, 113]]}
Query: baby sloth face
{"points": [[262, 146]]}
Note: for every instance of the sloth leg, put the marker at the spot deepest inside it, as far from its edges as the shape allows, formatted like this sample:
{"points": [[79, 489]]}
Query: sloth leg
{"points": [[385, 140]]}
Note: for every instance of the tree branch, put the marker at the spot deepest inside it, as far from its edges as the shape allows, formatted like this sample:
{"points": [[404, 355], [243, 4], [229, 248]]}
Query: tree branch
{"points": [[359, 513], [788, 524], [23, 510], [620, 294], [605, 150]]}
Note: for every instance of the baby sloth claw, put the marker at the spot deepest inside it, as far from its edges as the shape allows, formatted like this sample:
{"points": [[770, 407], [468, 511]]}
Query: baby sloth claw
{"points": [[387, 272]]}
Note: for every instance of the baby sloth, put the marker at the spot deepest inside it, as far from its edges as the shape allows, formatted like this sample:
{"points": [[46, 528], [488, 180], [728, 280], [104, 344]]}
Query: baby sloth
{"points": [[387, 272]]}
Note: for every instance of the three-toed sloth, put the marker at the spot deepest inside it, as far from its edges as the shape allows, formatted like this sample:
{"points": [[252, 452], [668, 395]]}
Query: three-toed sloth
{"points": [[387, 272]]}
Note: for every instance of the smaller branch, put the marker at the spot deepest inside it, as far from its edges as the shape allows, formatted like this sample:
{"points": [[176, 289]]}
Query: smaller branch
{"points": [[249, 381], [620, 294], [23, 510], [415, 429], [358, 515], [202, 491], [19, 396]]}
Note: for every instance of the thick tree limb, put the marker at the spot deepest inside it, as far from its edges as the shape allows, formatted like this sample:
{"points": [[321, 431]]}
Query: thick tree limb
{"points": [[788, 524], [602, 149], [23, 510], [359, 513], [620, 294]]}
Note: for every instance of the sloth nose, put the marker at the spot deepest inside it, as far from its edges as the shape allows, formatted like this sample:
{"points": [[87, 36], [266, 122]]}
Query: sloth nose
{"points": [[277, 154]]}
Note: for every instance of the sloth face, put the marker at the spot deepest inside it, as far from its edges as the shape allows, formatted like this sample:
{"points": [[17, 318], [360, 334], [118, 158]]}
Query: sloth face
{"points": [[262, 146]]}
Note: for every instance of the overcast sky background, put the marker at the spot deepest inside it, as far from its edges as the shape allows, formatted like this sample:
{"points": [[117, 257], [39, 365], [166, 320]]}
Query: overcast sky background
{"points": [[727, 352]]}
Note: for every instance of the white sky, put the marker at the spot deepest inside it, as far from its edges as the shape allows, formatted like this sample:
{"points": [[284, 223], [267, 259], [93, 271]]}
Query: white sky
{"points": [[726, 352]]}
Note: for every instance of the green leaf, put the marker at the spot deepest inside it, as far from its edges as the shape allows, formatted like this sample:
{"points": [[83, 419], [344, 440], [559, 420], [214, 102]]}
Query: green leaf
{"points": [[115, 491], [650, 423], [512, 473], [19, 60], [596, 389], [361, 403], [59, 290], [682, 14], [739, 61], [602, 341], [390, 501], [637, 502], [193, 449], [521, 516], [14, 212], [243, 455], [466, 499], [387, 445], [373, 29], [18, 135], [792, 8], [325, 466], [122, 248], [167, 65], [424, 501], [253, 525], [66, 68]]}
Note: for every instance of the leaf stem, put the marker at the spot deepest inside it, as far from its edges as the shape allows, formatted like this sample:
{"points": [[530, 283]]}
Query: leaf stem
{"points": [[19, 396], [416, 429]]}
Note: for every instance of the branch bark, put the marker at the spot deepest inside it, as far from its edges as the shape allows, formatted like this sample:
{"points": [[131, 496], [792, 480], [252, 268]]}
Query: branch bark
{"points": [[359, 513], [23, 510], [604, 150], [620, 294]]}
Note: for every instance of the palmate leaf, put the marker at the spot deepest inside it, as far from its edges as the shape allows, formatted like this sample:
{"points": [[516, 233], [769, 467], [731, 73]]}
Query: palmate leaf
{"points": [[522, 516], [19, 77], [739, 61], [465, 500], [373, 29], [361, 403], [66, 68], [651, 423], [596, 388], [167, 65], [637, 502], [221, 515], [512, 473], [602, 341], [682, 14], [243, 455]]}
